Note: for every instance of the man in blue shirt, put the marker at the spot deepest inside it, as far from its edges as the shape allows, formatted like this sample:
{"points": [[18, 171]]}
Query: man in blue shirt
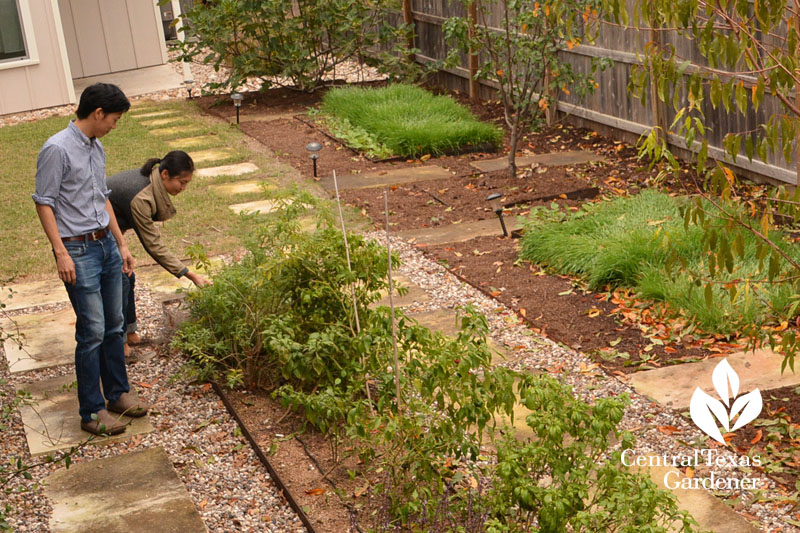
{"points": [[91, 254]]}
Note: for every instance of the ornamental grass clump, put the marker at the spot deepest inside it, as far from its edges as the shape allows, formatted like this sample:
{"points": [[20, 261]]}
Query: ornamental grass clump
{"points": [[404, 120], [643, 242]]}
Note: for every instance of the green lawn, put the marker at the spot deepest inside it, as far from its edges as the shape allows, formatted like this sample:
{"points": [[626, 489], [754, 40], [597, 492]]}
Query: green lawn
{"points": [[627, 242], [203, 216], [404, 120]]}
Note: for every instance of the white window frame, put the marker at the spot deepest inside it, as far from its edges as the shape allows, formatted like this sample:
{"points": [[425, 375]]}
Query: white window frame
{"points": [[32, 57]]}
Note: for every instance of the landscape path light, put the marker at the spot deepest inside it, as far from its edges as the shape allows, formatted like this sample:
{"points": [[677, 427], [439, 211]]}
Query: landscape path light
{"points": [[314, 148], [189, 84], [497, 207], [237, 102]]}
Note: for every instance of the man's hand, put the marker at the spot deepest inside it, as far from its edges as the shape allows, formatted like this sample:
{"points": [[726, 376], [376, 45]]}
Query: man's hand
{"points": [[66, 267], [127, 259], [198, 280]]}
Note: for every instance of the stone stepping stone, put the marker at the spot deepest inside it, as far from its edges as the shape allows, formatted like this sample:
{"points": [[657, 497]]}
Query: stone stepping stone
{"points": [[673, 386], [385, 178], [553, 159], [259, 207], [458, 232], [162, 284], [266, 117], [147, 113], [35, 293], [243, 187], [415, 293], [212, 154], [192, 142], [52, 422], [444, 321], [137, 491], [156, 122], [226, 170], [49, 340], [709, 511], [175, 130]]}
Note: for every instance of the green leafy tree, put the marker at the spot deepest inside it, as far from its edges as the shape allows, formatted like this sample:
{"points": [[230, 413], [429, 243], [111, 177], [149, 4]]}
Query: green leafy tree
{"points": [[300, 41], [750, 54], [520, 54]]}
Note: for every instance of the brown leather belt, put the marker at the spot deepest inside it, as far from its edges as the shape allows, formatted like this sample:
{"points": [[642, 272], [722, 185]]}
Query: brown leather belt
{"points": [[93, 236]]}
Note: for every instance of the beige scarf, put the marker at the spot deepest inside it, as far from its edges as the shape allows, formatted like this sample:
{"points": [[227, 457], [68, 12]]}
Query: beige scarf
{"points": [[164, 207]]}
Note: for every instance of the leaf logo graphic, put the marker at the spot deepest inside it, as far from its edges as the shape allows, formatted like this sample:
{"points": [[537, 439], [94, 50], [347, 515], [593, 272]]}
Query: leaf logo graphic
{"points": [[707, 411]]}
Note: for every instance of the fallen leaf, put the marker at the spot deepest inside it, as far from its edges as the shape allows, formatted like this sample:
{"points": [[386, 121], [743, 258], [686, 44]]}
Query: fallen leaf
{"points": [[523, 312], [757, 437], [594, 312], [315, 492], [147, 385], [667, 430], [689, 472]]}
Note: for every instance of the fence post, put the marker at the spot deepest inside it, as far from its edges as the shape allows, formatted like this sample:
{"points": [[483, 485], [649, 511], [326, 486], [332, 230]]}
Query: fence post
{"points": [[657, 107], [474, 86], [408, 18]]}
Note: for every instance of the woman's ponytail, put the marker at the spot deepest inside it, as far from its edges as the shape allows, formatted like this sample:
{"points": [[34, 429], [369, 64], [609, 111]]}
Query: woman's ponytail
{"points": [[175, 163]]}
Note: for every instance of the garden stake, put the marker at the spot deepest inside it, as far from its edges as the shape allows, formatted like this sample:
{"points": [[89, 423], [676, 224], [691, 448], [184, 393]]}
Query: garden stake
{"points": [[391, 301], [352, 287]]}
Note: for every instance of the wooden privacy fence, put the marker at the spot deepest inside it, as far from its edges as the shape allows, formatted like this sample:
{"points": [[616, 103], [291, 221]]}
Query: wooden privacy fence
{"points": [[611, 107]]}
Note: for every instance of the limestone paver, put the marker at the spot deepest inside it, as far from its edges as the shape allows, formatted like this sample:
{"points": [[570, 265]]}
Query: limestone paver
{"points": [[709, 512], [415, 293], [192, 142], [673, 386], [156, 122], [163, 285], [554, 159], [153, 114], [212, 154], [384, 178], [457, 232], [49, 340], [444, 321], [226, 170], [242, 187], [132, 492], [35, 293], [262, 207], [175, 130], [52, 422]]}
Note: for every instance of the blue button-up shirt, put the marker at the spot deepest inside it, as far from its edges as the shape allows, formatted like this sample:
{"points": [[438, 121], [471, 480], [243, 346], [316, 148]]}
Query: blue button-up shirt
{"points": [[71, 178]]}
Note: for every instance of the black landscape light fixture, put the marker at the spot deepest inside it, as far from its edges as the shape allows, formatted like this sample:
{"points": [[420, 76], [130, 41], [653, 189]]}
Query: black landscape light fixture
{"points": [[314, 148], [497, 207], [237, 102], [189, 84]]}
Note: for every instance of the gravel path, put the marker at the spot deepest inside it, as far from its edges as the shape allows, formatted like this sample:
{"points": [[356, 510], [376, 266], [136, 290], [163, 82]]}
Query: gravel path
{"points": [[533, 352], [227, 483]]}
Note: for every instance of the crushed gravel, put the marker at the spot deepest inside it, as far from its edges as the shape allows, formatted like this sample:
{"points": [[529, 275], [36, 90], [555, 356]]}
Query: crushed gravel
{"points": [[226, 482], [643, 417]]}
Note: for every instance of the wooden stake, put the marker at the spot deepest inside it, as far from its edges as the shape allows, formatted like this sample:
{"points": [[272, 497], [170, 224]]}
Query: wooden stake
{"points": [[391, 302], [408, 18], [474, 86]]}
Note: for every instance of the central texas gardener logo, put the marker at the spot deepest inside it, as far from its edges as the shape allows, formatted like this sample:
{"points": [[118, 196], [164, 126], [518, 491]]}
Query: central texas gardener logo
{"points": [[706, 410]]}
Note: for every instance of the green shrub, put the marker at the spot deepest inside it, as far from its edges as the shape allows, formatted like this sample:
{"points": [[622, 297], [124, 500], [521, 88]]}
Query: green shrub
{"points": [[408, 121], [302, 41], [642, 242], [283, 318]]}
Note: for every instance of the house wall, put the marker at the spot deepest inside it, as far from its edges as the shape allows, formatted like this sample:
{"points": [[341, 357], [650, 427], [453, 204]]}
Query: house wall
{"points": [[105, 36], [45, 80]]}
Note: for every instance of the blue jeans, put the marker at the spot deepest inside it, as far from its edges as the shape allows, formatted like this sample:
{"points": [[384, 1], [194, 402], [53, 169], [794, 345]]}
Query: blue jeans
{"points": [[129, 303], [96, 298]]}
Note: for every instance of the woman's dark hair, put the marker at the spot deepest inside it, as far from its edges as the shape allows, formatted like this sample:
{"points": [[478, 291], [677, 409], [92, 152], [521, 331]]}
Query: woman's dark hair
{"points": [[175, 163], [106, 96]]}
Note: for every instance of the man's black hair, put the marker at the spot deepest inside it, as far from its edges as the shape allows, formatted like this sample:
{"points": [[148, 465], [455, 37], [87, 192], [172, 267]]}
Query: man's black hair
{"points": [[106, 96]]}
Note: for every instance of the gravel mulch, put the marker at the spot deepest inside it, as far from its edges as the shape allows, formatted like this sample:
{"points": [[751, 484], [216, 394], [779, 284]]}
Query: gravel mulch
{"points": [[227, 483], [658, 430]]}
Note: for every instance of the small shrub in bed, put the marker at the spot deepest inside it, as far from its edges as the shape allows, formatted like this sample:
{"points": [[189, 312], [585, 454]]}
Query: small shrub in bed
{"points": [[404, 120]]}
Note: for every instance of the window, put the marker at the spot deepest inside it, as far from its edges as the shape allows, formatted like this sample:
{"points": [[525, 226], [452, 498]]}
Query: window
{"points": [[15, 32]]}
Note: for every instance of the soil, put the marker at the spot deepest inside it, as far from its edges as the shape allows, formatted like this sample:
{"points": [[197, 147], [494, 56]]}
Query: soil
{"points": [[781, 408]]}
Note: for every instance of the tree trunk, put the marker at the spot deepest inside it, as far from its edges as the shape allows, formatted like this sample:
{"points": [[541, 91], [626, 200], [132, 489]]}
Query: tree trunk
{"points": [[512, 153]]}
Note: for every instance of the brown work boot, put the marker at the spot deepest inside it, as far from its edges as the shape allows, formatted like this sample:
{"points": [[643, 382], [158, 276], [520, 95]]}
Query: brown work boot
{"points": [[134, 338], [128, 405], [104, 424]]}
